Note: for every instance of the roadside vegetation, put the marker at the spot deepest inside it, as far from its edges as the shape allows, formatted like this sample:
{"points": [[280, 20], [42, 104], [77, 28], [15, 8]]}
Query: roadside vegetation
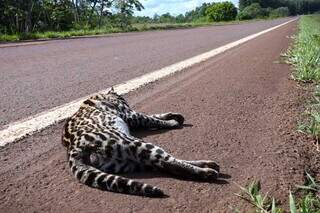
{"points": [[311, 126], [304, 56], [305, 53], [136, 27], [40, 19], [264, 203]]}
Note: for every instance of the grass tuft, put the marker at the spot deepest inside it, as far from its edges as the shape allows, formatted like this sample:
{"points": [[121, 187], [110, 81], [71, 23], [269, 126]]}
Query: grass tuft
{"points": [[305, 53], [309, 203], [262, 203], [312, 125]]}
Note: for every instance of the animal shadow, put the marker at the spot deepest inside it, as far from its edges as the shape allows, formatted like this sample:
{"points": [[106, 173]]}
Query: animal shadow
{"points": [[150, 173], [142, 133]]}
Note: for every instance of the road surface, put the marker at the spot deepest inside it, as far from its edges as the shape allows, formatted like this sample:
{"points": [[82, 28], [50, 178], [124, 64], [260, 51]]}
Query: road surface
{"points": [[240, 108], [35, 78]]}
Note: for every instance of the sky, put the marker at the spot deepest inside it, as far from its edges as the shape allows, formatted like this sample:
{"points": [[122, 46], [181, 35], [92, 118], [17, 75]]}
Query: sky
{"points": [[174, 7]]}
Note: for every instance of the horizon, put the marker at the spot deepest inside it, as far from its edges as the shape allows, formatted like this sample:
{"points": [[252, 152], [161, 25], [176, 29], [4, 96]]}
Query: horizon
{"points": [[174, 7]]}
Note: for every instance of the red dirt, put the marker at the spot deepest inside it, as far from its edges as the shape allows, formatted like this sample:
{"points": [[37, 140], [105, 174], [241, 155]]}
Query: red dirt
{"points": [[242, 109]]}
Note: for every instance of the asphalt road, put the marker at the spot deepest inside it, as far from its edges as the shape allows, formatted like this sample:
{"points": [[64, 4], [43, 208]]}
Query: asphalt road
{"points": [[35, 78], [240, 108]]}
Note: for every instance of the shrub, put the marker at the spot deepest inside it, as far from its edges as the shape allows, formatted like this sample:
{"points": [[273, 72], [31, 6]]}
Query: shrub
{"points": [[251, 12], [280, 12], [267, 11], [222, 11]]}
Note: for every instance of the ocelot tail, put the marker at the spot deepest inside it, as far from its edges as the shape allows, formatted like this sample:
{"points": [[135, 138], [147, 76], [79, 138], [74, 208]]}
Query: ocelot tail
{"points": [[100, 147]]}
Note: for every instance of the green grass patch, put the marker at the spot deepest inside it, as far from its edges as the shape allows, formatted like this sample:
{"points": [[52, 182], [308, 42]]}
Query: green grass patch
{"points": [[4, 37], [55, 35], [311, 126], [308, 203], [305, 53]]}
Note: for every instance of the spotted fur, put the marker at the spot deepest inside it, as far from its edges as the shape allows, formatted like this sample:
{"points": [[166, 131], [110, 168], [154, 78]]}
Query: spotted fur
{"points": [[100, 147]]}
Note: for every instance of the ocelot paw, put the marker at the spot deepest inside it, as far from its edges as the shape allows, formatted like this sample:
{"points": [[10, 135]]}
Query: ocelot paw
{"points": [[207, 164], [209, 174], [175, 116]]}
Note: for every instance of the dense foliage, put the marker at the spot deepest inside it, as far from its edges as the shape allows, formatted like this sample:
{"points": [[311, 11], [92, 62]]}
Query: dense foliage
{"points": [[196, 15], [24, 16], [259, 9], [198, 12], [294, 6], [222, 11], [279, 12], [252, 11]]}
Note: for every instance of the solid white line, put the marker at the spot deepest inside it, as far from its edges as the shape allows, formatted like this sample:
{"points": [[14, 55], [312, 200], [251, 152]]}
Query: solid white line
{"points": [[28, 126]]}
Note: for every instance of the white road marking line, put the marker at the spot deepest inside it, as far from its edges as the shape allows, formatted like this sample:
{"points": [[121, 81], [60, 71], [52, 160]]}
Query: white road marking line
{"points": [[30, 125]]}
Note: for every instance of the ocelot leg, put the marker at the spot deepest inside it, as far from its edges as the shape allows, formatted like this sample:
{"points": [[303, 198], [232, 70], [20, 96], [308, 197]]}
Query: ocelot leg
{"points": [[162, 121], [151, 155], [170, 116], [185, 170], [204, 164]]}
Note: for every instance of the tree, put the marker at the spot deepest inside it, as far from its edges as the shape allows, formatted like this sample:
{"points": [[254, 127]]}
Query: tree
{"points": [[280, 12], [156, 18], [125, 11], [180, 18], [243, 4], [142, 19], [251, 12], [224, 11], [28, 16], [198, 12], [166, 18], [262, 3], [294, 6], [63, 15], [104, 5]]}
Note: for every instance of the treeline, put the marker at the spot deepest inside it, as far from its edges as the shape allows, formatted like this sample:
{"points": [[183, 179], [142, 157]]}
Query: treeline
{"points": [[25, 16], [28, 16], [248, 9], [295, 6], [196, 15]]}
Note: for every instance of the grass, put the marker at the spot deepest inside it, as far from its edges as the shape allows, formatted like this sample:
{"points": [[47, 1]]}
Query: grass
{"points": [[164, 26], [304, 56], [54, 34], [305, 53], [309, 203], [108, 30], [312, 125], [252, 194]]}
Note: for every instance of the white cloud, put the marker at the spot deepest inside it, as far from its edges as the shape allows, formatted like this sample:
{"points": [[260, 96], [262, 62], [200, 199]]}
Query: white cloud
{"points": [[174, 7]]}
